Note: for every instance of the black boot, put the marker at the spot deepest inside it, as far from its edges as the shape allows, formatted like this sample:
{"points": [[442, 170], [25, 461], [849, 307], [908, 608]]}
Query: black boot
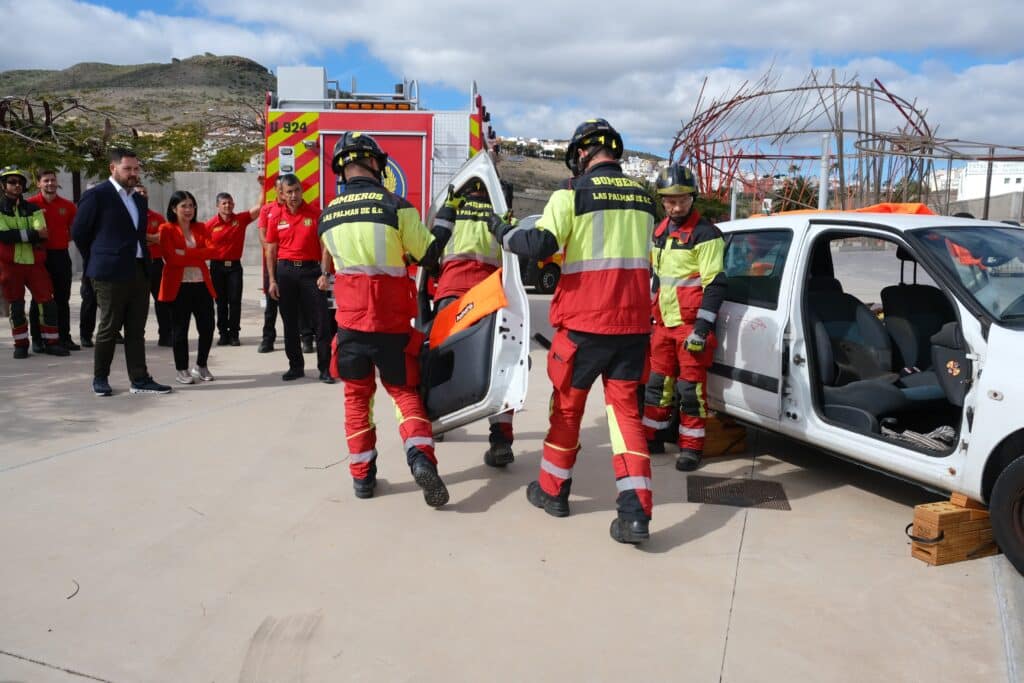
{"points": [[56, 350], [87, 341], [20, 352], [223, 340], [499, 454], [70, 345], [38, 346], [631, 531], [687, 460], [435, 493], [364, 487], [266, 346], [655, 447], [556, 506]]}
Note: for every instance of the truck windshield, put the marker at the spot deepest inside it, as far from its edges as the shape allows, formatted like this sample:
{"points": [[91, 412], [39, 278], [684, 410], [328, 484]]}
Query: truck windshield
{"points": [[987, 261]]}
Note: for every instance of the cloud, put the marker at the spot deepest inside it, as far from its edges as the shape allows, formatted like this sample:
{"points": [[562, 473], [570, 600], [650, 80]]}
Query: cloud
{"points": [[544, 66]]}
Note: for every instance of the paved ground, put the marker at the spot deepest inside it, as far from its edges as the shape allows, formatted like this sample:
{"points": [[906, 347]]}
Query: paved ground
{"points": [[212, 535]]}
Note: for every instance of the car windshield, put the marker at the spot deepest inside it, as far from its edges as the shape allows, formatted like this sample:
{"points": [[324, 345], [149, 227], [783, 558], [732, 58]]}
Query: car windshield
{"points": [[987, 261]]}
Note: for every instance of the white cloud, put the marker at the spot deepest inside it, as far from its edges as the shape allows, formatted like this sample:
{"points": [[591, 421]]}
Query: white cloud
{"points": [[544, 66]]}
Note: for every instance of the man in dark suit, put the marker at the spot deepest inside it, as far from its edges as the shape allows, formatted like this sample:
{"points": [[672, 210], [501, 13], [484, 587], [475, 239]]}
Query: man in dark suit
{"points": [[110, 231]]}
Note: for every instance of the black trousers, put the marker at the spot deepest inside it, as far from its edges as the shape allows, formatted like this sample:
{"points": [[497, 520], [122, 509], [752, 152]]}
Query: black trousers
{"points": [[270, 317], [193, 300], [58, 265], [227, 280], [122, 304], [164, 317], [299, 295], [87, 316]]}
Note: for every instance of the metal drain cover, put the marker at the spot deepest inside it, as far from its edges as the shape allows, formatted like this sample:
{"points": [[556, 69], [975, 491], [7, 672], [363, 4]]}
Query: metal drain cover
{"points": [[744, 493]]}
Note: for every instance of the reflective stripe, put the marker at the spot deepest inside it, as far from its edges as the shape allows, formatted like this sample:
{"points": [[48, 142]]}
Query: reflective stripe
{"points": [[24, 235], [414, 441], [555, 470], [680, 281], [23, 335], [380, 246], [707, 315], [689, 431], [472, 257], [633, 483], [395, 271], [365, 456], [49, 335], [590, 265], [648, 422], [179, 252], [597, 235], [508, 235], [444, 223]]}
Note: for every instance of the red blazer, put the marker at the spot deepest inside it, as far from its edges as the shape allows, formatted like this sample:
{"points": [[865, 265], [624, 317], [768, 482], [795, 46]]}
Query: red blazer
{"points": [[177, 255]]}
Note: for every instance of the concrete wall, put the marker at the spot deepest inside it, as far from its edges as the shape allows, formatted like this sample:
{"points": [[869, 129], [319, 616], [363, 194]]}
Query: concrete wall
{"points": [[1000, 207]]}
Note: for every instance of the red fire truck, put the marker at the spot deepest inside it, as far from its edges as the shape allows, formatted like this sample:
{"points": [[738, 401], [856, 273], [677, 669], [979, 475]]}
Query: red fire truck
{"points": [[425, 148]]}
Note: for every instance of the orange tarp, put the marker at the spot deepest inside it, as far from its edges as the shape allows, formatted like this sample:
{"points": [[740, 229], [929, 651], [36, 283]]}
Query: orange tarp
{"points": [[480, 301], [884, 207]]}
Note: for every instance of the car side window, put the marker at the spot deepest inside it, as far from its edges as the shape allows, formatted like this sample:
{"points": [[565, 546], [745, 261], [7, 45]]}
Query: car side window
{"points": [[754, 262]]}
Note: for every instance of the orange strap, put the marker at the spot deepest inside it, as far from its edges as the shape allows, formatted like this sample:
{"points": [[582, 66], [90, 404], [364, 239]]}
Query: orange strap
{"points": [[484, 298]]}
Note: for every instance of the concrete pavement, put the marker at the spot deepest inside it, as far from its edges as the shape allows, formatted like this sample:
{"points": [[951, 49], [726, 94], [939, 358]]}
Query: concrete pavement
{"points": [[212, 535]]}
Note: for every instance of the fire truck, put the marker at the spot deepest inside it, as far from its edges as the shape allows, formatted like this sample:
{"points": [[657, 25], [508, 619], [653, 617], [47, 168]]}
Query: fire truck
{"points": [[308, 113]]}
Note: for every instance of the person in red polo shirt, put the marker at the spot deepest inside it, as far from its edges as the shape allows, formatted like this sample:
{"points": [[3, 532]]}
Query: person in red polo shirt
{"points": [[227, 235], [59, 213], [163, 310], [293, 245]]}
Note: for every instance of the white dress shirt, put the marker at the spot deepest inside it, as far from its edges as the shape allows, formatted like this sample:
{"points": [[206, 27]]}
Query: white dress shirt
{"points": [[133, 210]]}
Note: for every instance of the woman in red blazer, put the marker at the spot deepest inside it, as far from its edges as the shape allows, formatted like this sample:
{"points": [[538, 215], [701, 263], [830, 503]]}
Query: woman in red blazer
{"points": [[186, 284]]}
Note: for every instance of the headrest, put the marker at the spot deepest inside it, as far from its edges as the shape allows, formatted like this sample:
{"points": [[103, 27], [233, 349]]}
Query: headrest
{"points": [[903, 255]]}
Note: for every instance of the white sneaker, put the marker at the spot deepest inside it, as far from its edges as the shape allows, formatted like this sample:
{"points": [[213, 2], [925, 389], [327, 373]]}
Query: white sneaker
{"points": [[184, 377], [201, 372]]}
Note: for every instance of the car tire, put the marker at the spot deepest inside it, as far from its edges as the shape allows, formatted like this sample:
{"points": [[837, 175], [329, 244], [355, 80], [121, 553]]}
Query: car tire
{"points": [[548, 279], [1006, 508]]}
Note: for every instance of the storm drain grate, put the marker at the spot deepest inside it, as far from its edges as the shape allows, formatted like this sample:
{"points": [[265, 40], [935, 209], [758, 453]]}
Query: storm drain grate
{"points": [[744, 493]]}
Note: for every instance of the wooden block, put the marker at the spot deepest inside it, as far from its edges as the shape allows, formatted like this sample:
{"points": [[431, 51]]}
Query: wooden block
{"points": [[964, 533], [960, 500], [940, 514]]}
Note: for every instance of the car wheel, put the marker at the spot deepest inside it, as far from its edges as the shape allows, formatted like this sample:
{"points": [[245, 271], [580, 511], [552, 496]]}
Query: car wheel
{"points": [[548, 278], [1006, 509]]}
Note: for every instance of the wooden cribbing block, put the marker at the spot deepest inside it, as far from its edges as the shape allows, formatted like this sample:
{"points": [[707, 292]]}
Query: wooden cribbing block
{"points": [[945, 532], [723, 436]]}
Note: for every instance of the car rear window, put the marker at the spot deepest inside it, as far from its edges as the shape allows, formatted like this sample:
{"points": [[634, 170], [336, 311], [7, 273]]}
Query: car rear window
{"points": [[754, 262]]}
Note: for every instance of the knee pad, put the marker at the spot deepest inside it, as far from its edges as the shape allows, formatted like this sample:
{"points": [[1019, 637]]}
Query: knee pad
{"points": [[690, 402], [658, 390]]}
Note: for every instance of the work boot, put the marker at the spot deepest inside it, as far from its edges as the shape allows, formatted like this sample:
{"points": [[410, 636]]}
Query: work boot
{"points": [[364, 487], [688, 460], [266, 346], [56, 350], [293, 374], [223, 340], [631, 531], [499, 454], [307, 345], [556, 506], [435, 493], [20, 352], [234, 341], [656, 447], [38, 346]]}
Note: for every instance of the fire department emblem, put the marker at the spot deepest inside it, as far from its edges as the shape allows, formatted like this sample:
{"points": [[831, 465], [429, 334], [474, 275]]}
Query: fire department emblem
{"points": [[953, 368], [395, 179]]}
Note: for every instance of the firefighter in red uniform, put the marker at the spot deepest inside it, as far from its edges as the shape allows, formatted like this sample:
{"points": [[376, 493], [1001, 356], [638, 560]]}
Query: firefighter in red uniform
{"points": [[367, 231], [293, 246], [601, 315], [59, 213], [470, 255], [687, 260], [227, 232], [23, 264]]}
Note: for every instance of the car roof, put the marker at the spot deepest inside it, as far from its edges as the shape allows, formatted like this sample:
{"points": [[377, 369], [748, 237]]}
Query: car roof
{"points": [[900, 222]]}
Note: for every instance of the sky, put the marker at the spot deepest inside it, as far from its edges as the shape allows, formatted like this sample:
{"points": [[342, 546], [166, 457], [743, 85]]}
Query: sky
{"points": [[545, 66]]}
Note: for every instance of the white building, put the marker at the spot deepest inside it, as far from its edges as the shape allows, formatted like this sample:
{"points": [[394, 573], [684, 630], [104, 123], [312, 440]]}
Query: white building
{"points": [[1007, 177]]}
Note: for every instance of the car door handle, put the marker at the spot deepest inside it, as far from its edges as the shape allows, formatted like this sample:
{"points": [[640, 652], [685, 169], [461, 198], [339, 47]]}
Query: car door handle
{"points": [[798, 359]]}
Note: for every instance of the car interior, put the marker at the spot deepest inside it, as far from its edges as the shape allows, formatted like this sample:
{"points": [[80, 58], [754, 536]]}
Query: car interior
{"points": [[893, 368]]}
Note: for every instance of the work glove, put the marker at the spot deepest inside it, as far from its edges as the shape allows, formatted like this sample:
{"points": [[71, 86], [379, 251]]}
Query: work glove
{"points": [[498, 227], [449, 212], [698, 338]]}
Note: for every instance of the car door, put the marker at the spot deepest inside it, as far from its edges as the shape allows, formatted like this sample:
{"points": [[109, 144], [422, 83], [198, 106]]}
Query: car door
{"points": [[482, 370], [746, 378]]}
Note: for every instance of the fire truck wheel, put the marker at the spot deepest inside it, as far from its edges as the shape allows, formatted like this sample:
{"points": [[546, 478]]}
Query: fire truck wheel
{"points": [[548, 278], [1006, 508]]}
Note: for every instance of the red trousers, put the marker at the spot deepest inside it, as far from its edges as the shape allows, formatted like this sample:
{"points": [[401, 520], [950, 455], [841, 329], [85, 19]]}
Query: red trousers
{"points": [[575, 361], [678, 374], [14, 279]]}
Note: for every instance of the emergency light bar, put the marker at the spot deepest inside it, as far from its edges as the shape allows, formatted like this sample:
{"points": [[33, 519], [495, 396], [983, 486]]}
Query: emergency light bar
{"points": [[374, 106]]}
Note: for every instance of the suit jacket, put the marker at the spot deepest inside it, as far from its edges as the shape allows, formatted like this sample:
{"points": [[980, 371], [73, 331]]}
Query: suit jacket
{"points": [[178, 255], [103, 231]]}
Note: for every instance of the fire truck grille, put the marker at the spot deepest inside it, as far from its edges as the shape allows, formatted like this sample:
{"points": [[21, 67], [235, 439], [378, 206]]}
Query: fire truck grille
{"points": [[744, 493]]}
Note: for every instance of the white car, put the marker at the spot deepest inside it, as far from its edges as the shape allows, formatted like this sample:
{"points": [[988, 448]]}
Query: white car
{"points": [[886, 339]]}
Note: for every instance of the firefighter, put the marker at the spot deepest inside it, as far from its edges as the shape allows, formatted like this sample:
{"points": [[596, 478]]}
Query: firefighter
{"points": [[601, 315], [23, 264], [687, 260], [470, 255], [367, 231], [58, 213]]}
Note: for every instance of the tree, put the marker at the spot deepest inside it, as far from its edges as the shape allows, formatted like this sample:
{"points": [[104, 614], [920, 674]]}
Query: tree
{"points": [[232, 158], [796, 193]]}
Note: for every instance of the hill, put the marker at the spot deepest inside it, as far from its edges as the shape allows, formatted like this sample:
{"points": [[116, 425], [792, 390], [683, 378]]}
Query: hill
{"points": [[152, 96]]}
